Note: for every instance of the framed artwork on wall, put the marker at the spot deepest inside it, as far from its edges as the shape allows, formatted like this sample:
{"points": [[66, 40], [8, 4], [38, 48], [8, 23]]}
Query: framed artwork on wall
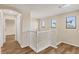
{"points": [[71, 22], [53, 23]]}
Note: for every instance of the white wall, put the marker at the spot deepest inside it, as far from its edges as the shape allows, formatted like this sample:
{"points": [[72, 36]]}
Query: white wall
{"points": [[26, 24], [10, 27], [34, 24]]}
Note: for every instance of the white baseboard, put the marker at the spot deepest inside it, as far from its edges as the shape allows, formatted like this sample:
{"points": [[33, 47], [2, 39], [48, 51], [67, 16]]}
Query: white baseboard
{"points": [[34, 49], [38, 50], [53, 46], [68, 43], [43, 48], [71, 44], [59, 43], [22, 45]]}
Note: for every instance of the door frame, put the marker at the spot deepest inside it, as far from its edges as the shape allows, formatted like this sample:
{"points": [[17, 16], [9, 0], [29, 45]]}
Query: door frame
{"points": [[14, 19], [17, 25]]}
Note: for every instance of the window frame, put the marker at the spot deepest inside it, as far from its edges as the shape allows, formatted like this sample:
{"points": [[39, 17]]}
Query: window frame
{"points": [[52, 23], [72, 25]]}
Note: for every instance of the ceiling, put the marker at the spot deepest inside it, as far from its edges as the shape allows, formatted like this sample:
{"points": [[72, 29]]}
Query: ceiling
{"points": [[43, 10]]}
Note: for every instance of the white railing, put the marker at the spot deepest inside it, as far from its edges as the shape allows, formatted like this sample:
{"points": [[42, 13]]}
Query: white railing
{"points": [[38, 40]]}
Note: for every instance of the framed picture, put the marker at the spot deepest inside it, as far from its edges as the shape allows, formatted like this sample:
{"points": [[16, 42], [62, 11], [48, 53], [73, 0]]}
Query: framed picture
{"points": [[71, 22], [53, 23]]}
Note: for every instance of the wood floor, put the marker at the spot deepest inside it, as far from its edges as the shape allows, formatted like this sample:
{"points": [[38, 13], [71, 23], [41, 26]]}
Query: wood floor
{"points": [[11, 46]]}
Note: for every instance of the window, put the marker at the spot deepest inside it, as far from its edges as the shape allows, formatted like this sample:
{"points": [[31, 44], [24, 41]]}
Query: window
{"points": [[43, 23], [53, 23], [71, 22]]}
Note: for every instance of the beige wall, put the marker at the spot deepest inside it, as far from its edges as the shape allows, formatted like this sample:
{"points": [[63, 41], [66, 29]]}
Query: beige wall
{"points": [[26, 21], [70, 36]]}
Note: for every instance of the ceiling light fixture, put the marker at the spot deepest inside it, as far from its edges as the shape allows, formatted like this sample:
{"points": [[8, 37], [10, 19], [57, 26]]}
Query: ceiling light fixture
{"points": [[64, 5]]}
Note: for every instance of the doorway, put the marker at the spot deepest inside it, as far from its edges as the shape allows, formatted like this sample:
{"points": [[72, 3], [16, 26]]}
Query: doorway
{"points": [[10, 30]]}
